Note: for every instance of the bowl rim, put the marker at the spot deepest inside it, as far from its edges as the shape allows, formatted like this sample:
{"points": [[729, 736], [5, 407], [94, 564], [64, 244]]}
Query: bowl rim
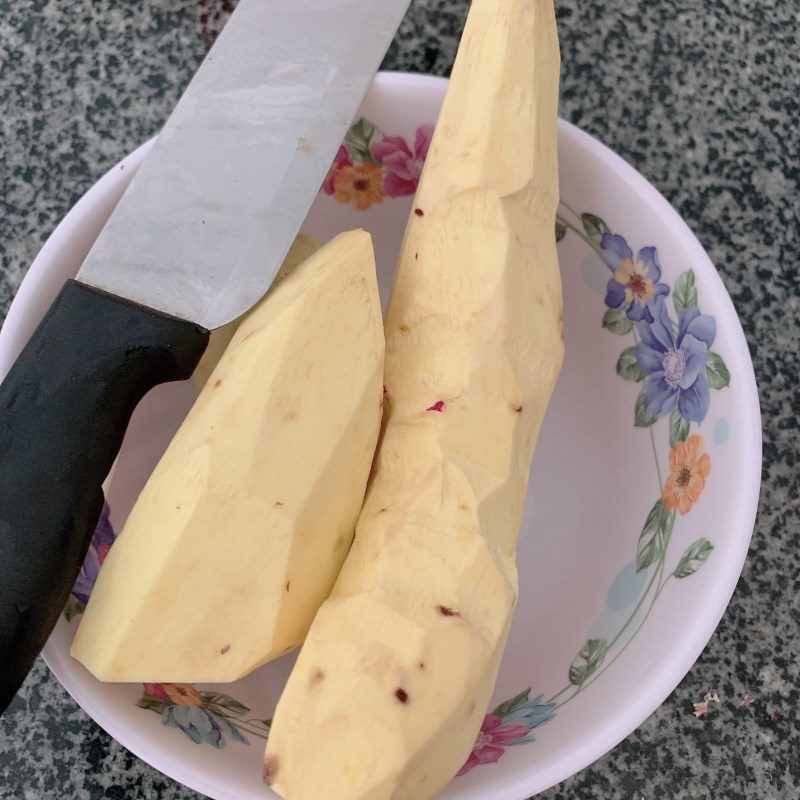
{"points": [[667, 675]]}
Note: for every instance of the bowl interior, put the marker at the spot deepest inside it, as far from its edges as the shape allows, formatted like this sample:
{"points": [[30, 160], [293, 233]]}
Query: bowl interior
{"points": [[610, 617]]}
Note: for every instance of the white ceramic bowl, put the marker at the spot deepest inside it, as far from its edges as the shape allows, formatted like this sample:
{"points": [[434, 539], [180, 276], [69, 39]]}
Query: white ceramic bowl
{"points": [[597, 643]]}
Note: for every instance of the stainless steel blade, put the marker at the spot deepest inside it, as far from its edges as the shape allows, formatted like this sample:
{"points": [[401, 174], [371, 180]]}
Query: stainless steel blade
{"points": [[207, 220]]}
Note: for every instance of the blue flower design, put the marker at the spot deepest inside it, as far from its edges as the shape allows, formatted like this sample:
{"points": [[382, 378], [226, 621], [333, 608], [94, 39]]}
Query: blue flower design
{"points": [[674, 362], [202, 716], [634, 284], [532, 714], [195, 722], [201, 725]]}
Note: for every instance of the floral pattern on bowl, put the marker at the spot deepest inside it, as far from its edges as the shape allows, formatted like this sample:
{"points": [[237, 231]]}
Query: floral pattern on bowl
{"points": [[669, 354], [371, 166], [203, 716], [509, 724], [101, 543], [671, 358]]}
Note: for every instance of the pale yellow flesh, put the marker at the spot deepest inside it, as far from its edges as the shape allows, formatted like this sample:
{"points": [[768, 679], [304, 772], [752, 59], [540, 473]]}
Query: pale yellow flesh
{"points": [[243, 526], [302, 247], [397, 670]]}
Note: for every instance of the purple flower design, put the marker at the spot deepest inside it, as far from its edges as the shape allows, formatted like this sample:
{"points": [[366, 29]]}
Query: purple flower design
{"points": [[101, 543], [634, 284], [674, 363]]}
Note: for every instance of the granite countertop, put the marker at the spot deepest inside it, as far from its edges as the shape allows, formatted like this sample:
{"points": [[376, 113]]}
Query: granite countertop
{"points": [[702, 97]]}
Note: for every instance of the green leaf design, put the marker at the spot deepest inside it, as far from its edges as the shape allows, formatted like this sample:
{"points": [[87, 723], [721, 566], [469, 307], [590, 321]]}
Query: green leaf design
{"points": [[223, 701], [717, 373], [616, 321], [359, 138], [628, 367], [678, 428], [642, 418], [73, 607], [513, 704], [587, 661], [695, 556], [655, 535], [595, 227], [561, 230], [684, 294], [152, 703]]}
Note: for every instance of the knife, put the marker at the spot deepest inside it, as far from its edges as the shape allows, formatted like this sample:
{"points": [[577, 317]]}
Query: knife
{"points": [[194, 242]]}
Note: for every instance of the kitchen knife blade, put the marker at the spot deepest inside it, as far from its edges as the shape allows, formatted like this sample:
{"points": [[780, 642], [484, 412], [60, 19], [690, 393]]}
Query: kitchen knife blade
{"points": [[194, 242], [208, 219]]}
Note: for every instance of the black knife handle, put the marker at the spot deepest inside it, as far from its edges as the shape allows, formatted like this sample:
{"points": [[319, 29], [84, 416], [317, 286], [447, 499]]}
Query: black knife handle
{"points": [[64, 408]]}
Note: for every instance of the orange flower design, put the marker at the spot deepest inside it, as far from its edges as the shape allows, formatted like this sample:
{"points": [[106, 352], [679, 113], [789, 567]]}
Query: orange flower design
{"points": [[183, 694], [689, 467], [635, 277], [359, 184]]}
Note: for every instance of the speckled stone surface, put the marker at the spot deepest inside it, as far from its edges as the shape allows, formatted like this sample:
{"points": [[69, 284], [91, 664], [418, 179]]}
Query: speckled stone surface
{"points": [[702, 97]]}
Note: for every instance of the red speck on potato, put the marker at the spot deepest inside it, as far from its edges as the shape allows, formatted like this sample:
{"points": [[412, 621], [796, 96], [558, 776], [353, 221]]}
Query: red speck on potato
{"points": [[437, 406], [270, 770]]}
